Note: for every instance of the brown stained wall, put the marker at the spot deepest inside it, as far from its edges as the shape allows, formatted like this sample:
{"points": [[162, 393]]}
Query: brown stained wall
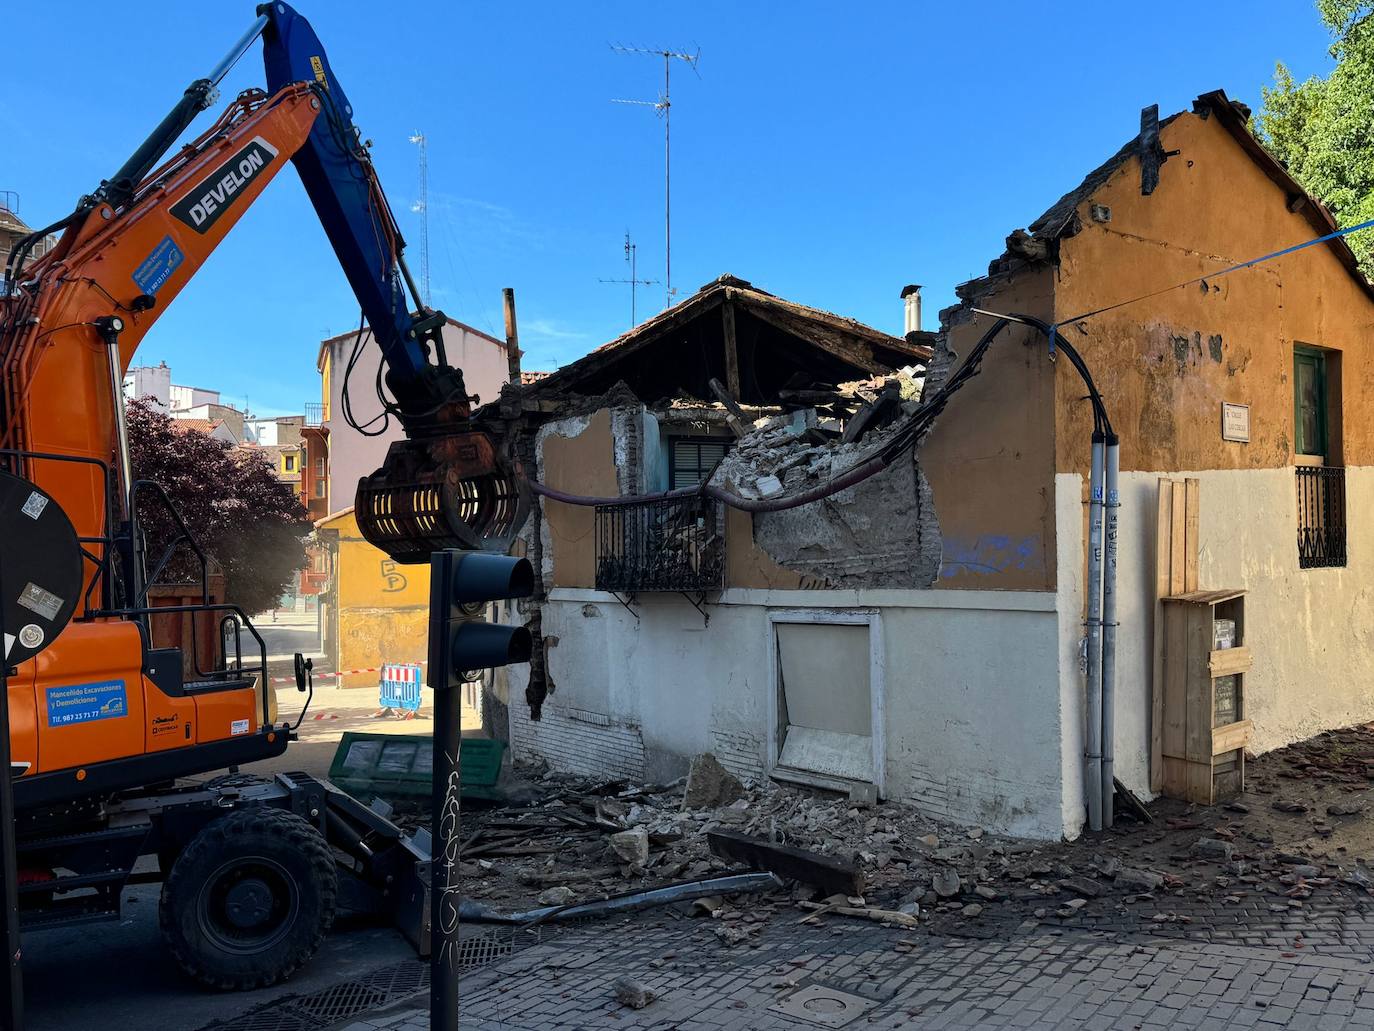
{"points": [[581, 464], [748, 565], [1164, 365], [990, 456]]}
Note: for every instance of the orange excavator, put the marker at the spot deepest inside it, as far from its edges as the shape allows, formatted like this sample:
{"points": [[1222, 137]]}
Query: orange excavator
{"points": [[102, 724]]}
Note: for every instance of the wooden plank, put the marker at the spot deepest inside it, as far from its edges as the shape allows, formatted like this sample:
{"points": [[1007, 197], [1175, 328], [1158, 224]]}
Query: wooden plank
{"points": [[1162, 527], [1230, 737], [1200, 788], [1230, 660], [513, 351], [1197, 676], [1177, 540], [727, 318], [828, 873], [1210, 597], [1175, 702], [1174, 779], [1192, 516]]}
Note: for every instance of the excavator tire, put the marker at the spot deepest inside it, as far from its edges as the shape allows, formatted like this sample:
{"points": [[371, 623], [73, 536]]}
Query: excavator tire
{"points": [[249, 900]]}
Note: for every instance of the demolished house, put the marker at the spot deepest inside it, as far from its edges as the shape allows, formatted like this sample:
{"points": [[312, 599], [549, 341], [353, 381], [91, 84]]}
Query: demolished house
{"points": [[893, 601]]}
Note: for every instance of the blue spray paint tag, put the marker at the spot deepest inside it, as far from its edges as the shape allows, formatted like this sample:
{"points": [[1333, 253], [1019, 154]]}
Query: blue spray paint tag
{"points": [[154, 270], [82, 703]]}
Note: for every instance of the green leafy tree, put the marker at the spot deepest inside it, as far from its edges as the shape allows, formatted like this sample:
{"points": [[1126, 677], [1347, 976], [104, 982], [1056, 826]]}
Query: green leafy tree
{"points": [[1322, 130], [249, 522]]}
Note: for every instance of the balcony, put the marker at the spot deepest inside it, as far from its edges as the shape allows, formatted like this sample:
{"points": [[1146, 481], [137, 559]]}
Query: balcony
{"points": [[315, 414], [1321, 516], [674, 545]]}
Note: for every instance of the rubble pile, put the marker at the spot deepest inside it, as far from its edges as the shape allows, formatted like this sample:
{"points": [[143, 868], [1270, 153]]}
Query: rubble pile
{"points": [[780, 456], [592, 839], [1300, 829]]}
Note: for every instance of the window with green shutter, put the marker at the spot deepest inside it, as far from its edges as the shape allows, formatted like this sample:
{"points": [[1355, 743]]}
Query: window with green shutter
{"points": [[1309, 399], [691, 459]]}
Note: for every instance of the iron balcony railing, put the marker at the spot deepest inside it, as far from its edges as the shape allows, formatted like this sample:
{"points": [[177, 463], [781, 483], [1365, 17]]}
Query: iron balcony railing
{"points": [[314, 414], [675, 544], [1321, 516]]}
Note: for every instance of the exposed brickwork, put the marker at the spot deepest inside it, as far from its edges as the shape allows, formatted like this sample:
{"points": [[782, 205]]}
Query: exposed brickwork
{"points": [[739, 751], [578, 741]]}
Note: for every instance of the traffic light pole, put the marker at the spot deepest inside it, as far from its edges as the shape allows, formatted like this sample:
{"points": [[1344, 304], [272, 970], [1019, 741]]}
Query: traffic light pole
{"points": [[446, 801], [461, 583]]}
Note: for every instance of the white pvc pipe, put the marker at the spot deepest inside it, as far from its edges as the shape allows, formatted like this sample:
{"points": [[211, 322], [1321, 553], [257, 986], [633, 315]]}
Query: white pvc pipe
{"points": [[1113, 506], [1093, 628]]}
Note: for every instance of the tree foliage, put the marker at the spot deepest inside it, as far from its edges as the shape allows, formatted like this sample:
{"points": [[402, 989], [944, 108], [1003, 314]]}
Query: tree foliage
{"points": [[1322, 129], [249, 522]]}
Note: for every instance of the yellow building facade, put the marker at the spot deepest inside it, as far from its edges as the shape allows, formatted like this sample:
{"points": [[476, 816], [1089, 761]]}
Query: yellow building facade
{"points": [[376, 608]]}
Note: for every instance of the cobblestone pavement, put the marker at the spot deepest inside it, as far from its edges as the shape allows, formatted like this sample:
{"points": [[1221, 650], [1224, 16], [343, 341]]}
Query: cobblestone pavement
{"points": [[1308, 969]]}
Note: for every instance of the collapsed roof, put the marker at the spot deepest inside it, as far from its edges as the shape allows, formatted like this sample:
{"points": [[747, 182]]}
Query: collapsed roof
{"points": [[750, 340]]}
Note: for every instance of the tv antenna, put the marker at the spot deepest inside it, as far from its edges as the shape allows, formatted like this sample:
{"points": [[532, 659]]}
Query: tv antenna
{"points": [[634, 280], [663, 106], [421, 207]]}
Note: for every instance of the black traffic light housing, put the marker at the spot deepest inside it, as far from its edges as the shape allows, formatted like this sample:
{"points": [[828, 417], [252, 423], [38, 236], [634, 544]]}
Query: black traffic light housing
{"points": [[460, 642]]}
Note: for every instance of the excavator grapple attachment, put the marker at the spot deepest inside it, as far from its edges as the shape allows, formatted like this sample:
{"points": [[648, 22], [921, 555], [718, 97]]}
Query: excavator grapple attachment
{"points": [[441, 492]]}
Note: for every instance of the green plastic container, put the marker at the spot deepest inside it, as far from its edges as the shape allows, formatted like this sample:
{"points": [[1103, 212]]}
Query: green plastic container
{"points": [[400, 765]]}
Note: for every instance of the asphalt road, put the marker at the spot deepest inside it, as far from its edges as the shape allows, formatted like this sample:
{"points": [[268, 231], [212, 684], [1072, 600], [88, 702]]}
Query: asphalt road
{"points": [[119, 975]]}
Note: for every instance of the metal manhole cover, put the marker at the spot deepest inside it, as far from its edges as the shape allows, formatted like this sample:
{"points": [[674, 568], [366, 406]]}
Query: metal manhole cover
{"points": [[827, 1007]]}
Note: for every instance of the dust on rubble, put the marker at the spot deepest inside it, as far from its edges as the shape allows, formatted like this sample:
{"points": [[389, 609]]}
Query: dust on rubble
{"points": [[1301, 829]]}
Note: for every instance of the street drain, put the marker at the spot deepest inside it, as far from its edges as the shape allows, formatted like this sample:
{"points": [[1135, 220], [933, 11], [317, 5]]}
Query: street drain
{"points": [[827, 1007], [382, 987], [340, 1001]]}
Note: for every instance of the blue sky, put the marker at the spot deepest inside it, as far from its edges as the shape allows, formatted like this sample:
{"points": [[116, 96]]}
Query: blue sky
{"points": [[828, 152]]}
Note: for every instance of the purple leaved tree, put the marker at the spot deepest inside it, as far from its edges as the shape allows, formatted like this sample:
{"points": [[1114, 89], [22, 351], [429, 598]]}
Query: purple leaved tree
{"points": [[249, 522]]}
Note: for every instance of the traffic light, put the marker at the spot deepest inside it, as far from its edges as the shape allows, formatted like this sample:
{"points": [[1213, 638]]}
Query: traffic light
{"points": [[461, 645], [461, 642]]}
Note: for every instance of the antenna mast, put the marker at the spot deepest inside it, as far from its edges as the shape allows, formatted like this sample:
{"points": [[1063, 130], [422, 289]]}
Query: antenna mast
{"points": [[421, 207], [664, 107], [634, 280]]}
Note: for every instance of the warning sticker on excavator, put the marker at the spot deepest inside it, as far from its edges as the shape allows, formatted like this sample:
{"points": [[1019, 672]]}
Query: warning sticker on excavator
{"points": [[157, 267], [83, 703], [44, 602]]}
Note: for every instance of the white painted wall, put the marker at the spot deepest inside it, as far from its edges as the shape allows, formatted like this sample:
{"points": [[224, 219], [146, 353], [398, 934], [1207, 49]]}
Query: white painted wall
{"points": [[186, 398], [149, 381], [973, 720], [1311, 631]]}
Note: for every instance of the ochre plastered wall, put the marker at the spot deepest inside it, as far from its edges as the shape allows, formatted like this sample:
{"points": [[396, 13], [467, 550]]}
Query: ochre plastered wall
{"points": [[1166, 364], [990, 457], [584, 462], [580, 464]]}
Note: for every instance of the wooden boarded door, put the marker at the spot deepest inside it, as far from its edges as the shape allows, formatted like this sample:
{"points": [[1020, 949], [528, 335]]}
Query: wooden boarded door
{"points": [[1176, 562]]}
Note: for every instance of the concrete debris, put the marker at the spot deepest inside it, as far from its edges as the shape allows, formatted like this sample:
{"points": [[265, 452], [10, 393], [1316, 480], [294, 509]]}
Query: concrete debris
{"points": [[710, 784], [946, 882], [1084, 886], [1213, 848], [1138, 880], [632, 845], [789, 454], [629, 992], [558, 896], [613, 838]]}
